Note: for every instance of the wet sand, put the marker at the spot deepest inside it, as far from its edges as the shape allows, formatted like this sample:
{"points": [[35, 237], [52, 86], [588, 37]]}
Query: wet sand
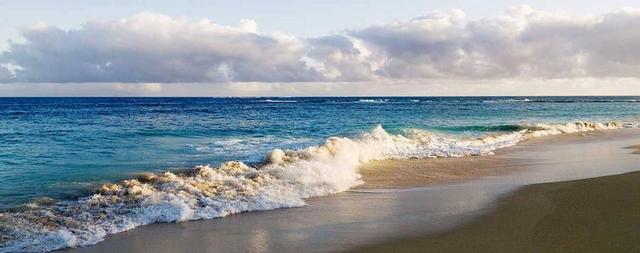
{"points": [[599, 214], [388, 212], [591, 215], [438, 171], [636, 149], [429, 172]]}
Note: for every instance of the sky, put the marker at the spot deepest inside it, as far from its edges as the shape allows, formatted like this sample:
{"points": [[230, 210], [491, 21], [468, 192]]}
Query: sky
{"points": [[319, 48]]}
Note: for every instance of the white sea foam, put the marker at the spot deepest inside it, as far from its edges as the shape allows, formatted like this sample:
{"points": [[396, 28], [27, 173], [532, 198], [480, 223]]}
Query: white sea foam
{"points": [[285, 179], [277, 101], [511, 100], [373, 100], [246, 145]]}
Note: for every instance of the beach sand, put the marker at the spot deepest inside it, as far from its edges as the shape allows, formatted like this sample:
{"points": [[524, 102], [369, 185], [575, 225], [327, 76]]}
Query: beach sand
{"points": [[467, 206], [410, 173], [636, 148], [591, 215], [428, 172]]}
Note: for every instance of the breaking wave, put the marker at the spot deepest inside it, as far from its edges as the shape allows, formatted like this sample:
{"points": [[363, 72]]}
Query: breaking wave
{"points": [[562, 100], [511, 100], [284, 179], [276, 101], [373, 100]]}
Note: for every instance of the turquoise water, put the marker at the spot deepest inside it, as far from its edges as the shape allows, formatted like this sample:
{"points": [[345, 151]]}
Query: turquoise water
{"points": [[65, 147], [57, 155]]}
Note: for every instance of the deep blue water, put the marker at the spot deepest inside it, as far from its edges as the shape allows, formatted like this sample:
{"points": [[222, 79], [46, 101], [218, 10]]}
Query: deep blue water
{"points": [[65, 147]]}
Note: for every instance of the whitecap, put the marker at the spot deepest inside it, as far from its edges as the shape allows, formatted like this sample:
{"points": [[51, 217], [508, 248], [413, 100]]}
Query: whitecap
{"points": [[276, 101]]}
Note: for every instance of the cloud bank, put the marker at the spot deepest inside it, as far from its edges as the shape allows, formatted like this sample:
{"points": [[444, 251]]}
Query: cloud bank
{"points": [[521, 43]]}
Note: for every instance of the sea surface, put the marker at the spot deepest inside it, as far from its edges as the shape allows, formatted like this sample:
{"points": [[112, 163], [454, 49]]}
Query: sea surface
{"points": [[63, 160]]}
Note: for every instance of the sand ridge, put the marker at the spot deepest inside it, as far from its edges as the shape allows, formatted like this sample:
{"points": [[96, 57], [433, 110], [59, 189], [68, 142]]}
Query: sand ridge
{"points": [[636, 149]]}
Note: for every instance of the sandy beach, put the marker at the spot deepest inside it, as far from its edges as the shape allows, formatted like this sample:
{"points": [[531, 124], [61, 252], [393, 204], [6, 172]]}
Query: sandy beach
{"points": [[636, 149], [428, 172], [590, 215], [419, 205]]}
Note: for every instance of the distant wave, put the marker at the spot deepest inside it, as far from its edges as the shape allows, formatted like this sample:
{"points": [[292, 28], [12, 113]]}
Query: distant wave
{"points": [[511, 100], [247, 145], [385, 100], [588, 101], [526, 100], [373, 100], [276, 101], [285, 179], [488, 128], [376, 101]]}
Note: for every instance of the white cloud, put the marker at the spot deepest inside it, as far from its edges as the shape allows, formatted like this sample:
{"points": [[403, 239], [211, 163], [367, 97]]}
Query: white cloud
{"points": [[149, 47], [340, 57], [521, 43]]}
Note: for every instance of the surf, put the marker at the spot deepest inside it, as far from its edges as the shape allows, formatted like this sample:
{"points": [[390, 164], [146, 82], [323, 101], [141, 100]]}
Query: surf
{"points": [[284, 179]]}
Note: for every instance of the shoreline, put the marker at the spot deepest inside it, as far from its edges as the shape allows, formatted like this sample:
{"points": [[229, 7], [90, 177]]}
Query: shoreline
{"points": [[411, 173], [355, 218], [598, 214], [590, 215]]}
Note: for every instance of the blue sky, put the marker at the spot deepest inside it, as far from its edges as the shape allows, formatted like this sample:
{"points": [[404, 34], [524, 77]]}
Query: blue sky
{"points": [[374, 47], [300, 18]]}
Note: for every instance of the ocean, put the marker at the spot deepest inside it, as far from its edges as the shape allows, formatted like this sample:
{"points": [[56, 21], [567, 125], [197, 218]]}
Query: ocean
{"points": [[73, 170]]}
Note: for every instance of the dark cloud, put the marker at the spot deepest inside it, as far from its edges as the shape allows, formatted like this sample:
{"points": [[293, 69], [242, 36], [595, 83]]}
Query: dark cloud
{"points": [[5, 74]]}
